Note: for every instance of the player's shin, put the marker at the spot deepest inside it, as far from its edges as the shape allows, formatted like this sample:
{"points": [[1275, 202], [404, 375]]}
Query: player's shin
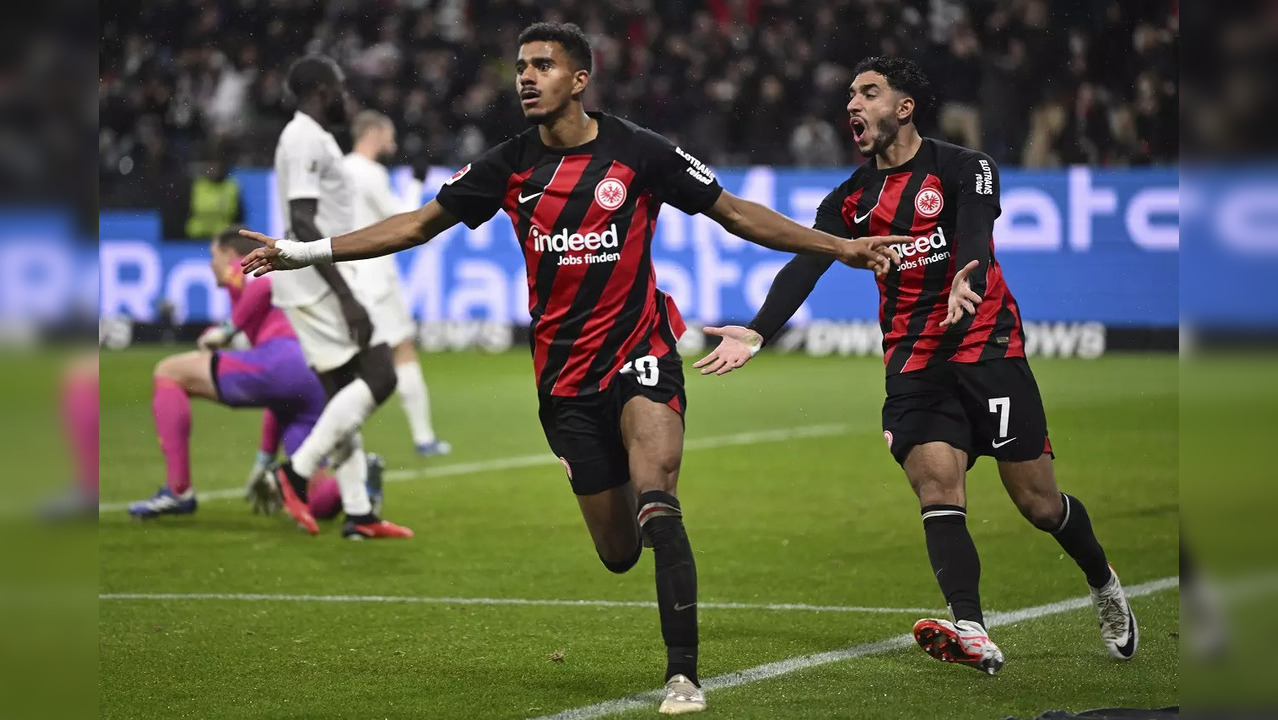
{"points": [[955, 562], [171, 409], [1075, 535], [344, 414], [416, 402], [352, 474], [661, 522]]}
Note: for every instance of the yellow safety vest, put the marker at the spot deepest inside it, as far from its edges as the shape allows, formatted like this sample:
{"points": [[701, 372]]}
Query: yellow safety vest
{"points": [[213, 207]]}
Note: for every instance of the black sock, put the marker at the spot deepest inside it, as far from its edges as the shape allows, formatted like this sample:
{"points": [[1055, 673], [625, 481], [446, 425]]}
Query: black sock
{"points": [[367, 519], [954, 560], [295, 481], [1076, 536], [661, 522]]}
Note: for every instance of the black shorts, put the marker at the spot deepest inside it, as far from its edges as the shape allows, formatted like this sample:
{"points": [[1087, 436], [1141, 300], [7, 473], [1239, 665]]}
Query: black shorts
{"points": [[988, 408], [585, 431]]}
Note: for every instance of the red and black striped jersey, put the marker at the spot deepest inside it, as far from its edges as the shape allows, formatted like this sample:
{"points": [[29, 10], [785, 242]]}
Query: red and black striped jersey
{"points": [[921, 199], [585, 217]]}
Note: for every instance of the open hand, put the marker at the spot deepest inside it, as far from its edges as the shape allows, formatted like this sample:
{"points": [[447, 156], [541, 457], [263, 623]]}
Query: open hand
{"points": [[873, 253], [962, 297], [739, 344], [275, 255]]}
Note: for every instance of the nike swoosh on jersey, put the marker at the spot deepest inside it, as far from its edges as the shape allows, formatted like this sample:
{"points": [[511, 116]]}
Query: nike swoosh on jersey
{"points": [[998, 444], [525, 198], [868, 213]]}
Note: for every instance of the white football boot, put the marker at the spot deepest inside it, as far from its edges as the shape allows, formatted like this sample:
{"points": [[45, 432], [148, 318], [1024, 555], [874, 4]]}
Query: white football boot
{"points": [[681, 696], [963, 642], [1117, 623]]}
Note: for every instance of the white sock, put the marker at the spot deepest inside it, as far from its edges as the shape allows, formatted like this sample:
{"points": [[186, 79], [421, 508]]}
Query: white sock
{"points": [[352, 475], [416, 400], [344, 415]]}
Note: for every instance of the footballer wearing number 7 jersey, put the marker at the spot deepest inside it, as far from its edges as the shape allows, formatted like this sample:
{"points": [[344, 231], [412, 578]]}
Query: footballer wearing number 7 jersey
{"points": [[958, 383], [583, 191]]}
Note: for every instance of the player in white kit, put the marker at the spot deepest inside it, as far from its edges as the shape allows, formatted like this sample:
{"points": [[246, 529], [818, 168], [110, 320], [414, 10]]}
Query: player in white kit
{"points": [[332, 325], [376, 280]]}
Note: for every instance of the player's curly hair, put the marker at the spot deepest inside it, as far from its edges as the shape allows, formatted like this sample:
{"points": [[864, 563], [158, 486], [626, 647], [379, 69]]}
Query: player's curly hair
{"points": [[903, 75], [570, 38]]}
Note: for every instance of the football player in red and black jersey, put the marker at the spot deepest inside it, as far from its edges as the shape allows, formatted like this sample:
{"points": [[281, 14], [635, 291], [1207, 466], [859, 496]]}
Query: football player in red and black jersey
{"points": [[958, 384], [583, 191]]}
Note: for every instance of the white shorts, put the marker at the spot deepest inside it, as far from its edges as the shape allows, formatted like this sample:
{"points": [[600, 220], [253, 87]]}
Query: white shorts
{"points": [[322, 331], [391, 322]]}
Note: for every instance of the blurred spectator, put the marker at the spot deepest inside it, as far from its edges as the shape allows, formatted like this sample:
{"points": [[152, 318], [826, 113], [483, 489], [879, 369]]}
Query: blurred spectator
{"points": [[816, 143], [959, 117], [215, 202], [1038, 81]]}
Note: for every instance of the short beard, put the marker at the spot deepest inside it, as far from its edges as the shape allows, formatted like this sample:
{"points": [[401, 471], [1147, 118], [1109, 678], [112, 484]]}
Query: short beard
{"points": [[888, 130]]}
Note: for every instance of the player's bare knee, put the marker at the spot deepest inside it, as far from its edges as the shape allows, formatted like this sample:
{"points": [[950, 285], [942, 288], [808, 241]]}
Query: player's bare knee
{"points": [[167, 369], [664, 478], [939, 495], [619, 555], [652, 469], [667, 468], [937, 488], [180, 369], [1041, 509]]}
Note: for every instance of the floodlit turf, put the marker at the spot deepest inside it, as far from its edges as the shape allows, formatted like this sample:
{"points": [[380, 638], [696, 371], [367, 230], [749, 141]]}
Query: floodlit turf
{"points": [[817, 514]]}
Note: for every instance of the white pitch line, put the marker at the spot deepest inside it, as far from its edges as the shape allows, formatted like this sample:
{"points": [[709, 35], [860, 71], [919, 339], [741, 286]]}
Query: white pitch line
{"points": [[803, 662], [540, 459], [263, 597]]}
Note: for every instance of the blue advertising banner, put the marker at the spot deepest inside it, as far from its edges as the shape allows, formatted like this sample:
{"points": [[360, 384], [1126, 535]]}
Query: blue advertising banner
{"points": [[47, 274], [1230, 260], [1076, 245], [1079, 245]]}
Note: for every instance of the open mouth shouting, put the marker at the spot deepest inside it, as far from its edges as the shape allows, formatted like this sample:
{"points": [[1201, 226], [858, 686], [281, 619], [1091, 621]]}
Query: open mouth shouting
{"points": [[859, 129]]}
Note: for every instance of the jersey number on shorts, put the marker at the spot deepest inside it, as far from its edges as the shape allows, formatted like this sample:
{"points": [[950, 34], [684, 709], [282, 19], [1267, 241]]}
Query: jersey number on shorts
{"points": [[644, 369], [1002, 406]]}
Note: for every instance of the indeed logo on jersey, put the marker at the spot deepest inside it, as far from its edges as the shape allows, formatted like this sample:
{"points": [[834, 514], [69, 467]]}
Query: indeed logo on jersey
{"points": [[925, 248], [563, 242]]}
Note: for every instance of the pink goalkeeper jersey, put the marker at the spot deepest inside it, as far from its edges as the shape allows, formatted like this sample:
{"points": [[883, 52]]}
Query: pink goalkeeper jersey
{"points": [[252, 312]]}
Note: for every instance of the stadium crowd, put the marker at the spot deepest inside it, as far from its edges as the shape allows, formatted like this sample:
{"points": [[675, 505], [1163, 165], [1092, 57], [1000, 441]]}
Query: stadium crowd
{"points": [[1036, 83]]}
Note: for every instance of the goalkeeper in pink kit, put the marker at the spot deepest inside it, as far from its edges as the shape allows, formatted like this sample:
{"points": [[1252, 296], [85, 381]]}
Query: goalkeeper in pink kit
{"points": [[272, 374]]}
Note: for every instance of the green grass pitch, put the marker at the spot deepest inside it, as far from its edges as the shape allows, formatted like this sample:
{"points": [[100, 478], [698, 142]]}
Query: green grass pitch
{"points": [[790, 498]]}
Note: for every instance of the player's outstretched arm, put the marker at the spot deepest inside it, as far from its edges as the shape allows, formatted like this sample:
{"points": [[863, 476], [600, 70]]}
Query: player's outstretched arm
{"points": [[737, 345], [395, 233], [973, 224], [769, 228], [789, 289]]}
